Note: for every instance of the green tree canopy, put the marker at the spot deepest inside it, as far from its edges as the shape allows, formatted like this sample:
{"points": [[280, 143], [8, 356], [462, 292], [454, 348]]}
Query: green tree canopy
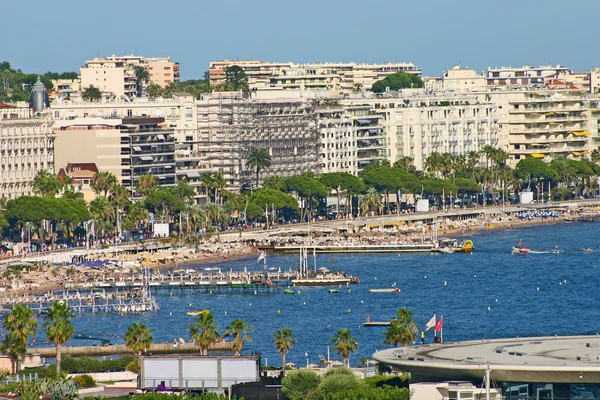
{"points": [[534, 168], [398, 80], [236, 77]]}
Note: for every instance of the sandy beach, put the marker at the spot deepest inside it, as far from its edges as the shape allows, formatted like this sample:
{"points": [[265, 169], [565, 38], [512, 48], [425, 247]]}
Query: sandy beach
{"points": [[42, 278]]}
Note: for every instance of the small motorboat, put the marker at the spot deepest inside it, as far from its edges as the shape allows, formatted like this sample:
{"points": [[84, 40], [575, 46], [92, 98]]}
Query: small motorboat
{"points": [[384, 290], [447, 250], [334, 290], [520, 248], [288, 291], [467, 246], [193, 313]]}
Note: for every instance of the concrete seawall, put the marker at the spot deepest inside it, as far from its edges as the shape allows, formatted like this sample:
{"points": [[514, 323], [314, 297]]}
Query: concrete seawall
{"points": [[157, 348]]}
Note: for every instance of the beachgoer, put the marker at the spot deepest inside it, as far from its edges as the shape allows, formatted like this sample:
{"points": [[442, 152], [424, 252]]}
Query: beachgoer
{"points": [[422, 337]]}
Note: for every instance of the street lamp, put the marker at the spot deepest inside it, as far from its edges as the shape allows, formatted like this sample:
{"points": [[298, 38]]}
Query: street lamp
{"points": [[306, 355]]}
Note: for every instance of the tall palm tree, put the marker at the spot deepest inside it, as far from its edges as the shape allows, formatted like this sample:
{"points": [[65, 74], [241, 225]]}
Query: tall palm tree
{"points": [[91, 93], [219, 184], [138, 338], [207, 180], [119, 199], [103, 182], [146, 185], [344, 343], [19, 325], [154, 90], [59, 329], [142, 76], [283, 341], [433, 163], [239, 329], [259, 158], [204, 332]]}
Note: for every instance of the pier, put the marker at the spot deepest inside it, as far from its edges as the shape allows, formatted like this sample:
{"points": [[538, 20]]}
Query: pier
{"points": [[155, 348], [401, 248]]}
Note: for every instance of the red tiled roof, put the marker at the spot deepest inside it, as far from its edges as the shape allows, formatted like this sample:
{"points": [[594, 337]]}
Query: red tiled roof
{"points": [[6, 105]]}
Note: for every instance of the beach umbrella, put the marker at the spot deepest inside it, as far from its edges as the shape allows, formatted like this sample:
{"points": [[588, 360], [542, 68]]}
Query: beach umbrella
{"points": [[313, 366], [290, 364]]}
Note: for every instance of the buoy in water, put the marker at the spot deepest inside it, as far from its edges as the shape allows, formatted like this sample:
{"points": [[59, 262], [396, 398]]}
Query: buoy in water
{"points": [[425, 277], [225, 312], [348, 310], [445, 283], [489, 308], [496, 300], [190, 304], [170, 313], [538, 289], [474, 276], [304, 303], [171, 294], [210, 292], [249, 304], [361, 302], [278, 311], [349, 290]]}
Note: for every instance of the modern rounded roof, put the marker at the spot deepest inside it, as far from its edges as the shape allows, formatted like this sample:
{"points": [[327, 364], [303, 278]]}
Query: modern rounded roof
{"points": [[567, 359]]}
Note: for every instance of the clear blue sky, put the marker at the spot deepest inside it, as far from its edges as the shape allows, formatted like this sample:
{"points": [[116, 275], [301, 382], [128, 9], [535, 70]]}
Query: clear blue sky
{"points": [[60, 35]]}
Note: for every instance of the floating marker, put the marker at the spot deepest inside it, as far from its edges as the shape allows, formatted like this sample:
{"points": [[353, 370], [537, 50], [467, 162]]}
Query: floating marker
{"points": [[496, 300], [225, 312], [565, 281], [278, 311], [445, 284], [255, 292], [489, 308], [349, 310], [349, 290], [375, 278], [361, 302], [474, 276], [250, 304], [210, 292], [304, 303], [190, 304], [170, 313], [171, 294], [538, 289]]}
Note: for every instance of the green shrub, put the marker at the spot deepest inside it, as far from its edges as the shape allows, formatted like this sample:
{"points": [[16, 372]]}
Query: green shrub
{"points": [[297, 384], [385, 380], [338, 382], [85, 381]]}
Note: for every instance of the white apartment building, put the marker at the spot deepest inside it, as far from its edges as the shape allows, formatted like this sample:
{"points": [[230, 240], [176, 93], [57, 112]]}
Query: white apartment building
{"points": [[523, 76], [345, 77], [417, 124], [26, 147], [350, 138], [115, 75]]}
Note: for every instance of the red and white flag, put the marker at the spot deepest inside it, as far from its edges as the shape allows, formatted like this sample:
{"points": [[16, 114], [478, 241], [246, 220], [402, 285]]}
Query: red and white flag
{"points": [[440, 325], [431, 323]]}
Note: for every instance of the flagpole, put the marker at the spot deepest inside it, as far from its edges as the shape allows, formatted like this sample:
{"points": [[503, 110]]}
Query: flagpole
{"points": [[442, 330]]}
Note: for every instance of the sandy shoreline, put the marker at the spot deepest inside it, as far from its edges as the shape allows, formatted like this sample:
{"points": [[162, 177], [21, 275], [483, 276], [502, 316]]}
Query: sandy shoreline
{"points": [[44, 278]]}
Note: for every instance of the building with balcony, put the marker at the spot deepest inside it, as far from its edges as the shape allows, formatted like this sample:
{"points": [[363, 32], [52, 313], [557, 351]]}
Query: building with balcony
{"points": [[344, 77], [151, 147], [81, 175], [26, 147], [229, 125], [415, 124], [545, 123], [115, 75], [523, 76]]}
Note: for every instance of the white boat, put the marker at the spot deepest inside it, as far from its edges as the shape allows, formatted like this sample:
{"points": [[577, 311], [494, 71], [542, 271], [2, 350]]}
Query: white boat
{"points": [[447, 250], [384, 290]]}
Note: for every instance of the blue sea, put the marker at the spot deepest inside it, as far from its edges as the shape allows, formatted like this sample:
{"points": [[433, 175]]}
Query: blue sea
{"points": [[489, 293]]}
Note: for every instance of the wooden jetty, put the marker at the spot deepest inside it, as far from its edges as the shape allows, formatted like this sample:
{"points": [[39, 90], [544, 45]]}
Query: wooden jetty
{"points": [[401, 248], [155, 348]]}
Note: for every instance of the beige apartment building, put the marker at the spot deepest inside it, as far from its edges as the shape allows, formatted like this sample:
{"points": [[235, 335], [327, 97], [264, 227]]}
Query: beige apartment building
{"points": [[546, 123], [26, 147], [115, 75], [343, 77]]}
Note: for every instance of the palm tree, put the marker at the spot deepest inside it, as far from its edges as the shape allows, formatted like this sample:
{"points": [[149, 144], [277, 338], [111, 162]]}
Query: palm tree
{"points": [[184, 190], [433, 163], [404, 330], [19, 325], [59, 329], [259, 158], [345, 344], [119, 199], [283, 341], [207, 180], [146, 185], [46, 184], [370, 201], [219, 184], [154, 90], [138, 338], [239, 329], [141, 76], [103, 182], [204, 332], [91, 93]]}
